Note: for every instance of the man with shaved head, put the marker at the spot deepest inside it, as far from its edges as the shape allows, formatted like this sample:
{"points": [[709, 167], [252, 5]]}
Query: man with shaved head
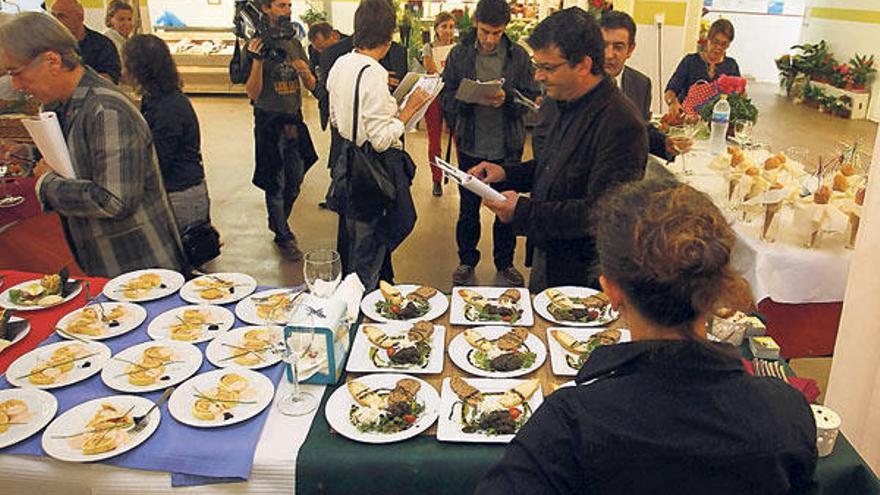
{"points": [[97, 50]]}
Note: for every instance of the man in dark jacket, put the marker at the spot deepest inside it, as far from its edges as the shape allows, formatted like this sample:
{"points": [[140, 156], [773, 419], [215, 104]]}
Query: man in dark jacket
{"points": [[493, 130], [596, 141]]}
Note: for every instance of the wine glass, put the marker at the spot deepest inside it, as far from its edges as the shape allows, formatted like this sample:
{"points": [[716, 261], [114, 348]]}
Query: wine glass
{"points": [[742, 132], [297, 345], [682, 141], [322, 270]]}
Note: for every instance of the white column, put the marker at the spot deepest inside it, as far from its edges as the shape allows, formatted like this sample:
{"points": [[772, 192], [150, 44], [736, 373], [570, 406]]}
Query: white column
{"points": [[854, 387]]}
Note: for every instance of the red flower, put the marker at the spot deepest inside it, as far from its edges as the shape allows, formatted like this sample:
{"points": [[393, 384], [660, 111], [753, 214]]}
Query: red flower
{"points": [[597, 3]]}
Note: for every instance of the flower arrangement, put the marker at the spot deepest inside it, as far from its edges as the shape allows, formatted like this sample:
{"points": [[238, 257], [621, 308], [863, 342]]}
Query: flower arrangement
{"points": [[313, 15], [818, 63], [597, 7], [741, 108], [861, 70], [703, 40]]}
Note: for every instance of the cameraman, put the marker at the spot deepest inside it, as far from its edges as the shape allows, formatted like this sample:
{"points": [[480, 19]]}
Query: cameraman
{"points": [[283, 146]]}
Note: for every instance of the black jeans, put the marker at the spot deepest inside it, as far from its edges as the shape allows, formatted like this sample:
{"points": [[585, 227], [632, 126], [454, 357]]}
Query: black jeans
{"points": [[278, 157], [467, 229]]}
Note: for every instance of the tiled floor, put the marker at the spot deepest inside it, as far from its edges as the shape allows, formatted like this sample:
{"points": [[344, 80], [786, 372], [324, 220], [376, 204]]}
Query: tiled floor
{"points": [[429, 254]]}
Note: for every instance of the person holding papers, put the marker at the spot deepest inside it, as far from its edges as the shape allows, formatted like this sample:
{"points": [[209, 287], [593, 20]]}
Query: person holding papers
{"points": [[114, 208], [368, 235], [487, 128], [434, 56], [596, 141]]}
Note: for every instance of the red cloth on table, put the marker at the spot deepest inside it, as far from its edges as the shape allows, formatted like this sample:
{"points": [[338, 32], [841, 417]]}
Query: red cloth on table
{"points": [[802, 330], [43, 320], [19, 187], [37, 244], [806, 386]]}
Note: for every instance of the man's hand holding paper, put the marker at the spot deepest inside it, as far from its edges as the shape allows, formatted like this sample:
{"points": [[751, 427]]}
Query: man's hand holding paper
{"points": [[488, 172]]}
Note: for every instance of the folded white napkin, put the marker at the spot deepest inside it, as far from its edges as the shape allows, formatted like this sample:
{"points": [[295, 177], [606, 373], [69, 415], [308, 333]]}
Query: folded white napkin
{"points": [[350, 291]]}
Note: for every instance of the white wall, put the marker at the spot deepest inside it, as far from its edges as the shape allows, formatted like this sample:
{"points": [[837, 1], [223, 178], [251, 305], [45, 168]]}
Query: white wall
{"points": [[760, 39], [646, 57]]}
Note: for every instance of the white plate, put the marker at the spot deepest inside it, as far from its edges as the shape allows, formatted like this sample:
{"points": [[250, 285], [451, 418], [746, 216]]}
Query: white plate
{"points": [[21, 335], [458, 306], [449, 430], [160, 327], [339, 406], [359, 357], [42, 407], [461, 352], [437, 305], [75, 420], [190, 358], [246, 309], [244, 285], [7, 303], [261, 392], [219, 350], [542, 301], [134, 316], [82, 369], [558, 353], [171, 281]]}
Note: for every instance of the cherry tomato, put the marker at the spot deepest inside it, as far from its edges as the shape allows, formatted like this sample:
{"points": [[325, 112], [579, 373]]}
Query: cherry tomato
{"points": [[514, 413], [505, 318], [395, 308], [409, 418], [390, 351]]}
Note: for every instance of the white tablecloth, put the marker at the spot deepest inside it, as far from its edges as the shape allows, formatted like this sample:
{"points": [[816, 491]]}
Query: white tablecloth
{"points": [[272, 472], [783, 271]]}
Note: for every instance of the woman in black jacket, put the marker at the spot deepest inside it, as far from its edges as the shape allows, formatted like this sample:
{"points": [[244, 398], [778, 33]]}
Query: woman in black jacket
{"points": [[668, 412], [174, 125]]}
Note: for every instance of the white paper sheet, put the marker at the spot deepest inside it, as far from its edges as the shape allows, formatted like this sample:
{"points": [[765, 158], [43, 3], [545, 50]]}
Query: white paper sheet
{"points": [[468, 181], [46, 133], [481, 93], [430, 83]]}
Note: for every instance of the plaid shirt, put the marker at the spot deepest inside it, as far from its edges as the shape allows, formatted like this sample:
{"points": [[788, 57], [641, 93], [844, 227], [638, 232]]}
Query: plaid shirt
{"points": [[116, 214]]}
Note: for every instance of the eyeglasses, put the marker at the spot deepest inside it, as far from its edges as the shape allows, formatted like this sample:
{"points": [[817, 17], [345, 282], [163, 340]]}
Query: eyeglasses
{"points": [[547, 68], [723, 44], [16, 71]]}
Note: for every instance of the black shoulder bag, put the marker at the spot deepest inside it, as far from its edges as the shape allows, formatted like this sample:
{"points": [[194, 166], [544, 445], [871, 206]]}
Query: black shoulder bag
{"points": [[201, 243], [371, 189], [239, 66]]}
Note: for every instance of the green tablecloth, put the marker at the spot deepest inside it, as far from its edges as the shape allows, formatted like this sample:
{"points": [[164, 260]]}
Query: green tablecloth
{"points": [[329, 463]]}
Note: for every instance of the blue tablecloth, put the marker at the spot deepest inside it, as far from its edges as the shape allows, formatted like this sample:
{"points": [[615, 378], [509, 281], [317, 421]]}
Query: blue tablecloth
{"points": [[193, 456]]}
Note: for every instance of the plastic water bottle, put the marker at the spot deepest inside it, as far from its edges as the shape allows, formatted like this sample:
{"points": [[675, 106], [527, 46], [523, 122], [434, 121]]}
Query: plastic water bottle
{"points": [[720, 121]]}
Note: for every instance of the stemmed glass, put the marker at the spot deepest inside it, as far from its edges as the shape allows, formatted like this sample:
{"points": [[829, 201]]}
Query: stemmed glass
{"points": [[322, 270], [683, 146], [297, 346], [742, 132]]}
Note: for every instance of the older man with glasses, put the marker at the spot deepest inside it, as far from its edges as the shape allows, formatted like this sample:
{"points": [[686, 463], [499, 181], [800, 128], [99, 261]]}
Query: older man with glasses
{"points": [[596, 141], [115, 212]]}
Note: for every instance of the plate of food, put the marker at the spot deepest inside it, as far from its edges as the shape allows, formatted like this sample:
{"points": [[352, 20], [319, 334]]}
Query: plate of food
{"points": [[221, 398], [12, 329], [58, 365], [100, 429], [570, 347], [151, 366], [575, 306], [193, 324], [23, 412], [268, 306], [485, 410], [382, 408], [491, 305], [404, 302], [218, 288], [497, 352], [101, 321], [144, 285], [401, 347], [41, 293], [248, 347]]}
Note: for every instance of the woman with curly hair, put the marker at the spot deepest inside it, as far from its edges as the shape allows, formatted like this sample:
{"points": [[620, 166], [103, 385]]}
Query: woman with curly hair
{"points": [[668, 412], [175, 127]]}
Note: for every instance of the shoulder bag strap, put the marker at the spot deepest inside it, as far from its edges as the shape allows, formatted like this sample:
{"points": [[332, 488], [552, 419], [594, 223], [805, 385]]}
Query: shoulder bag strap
{"points": [[357, 100]]}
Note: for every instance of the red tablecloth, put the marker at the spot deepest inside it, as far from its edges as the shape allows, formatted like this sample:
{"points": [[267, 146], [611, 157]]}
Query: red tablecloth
{"points": [[802, 330], [23, 187], [43, 320]]}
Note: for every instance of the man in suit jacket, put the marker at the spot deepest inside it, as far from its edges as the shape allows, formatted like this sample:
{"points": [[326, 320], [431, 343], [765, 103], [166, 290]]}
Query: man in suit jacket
{"points": [[619, 33], [595, 142], [115, 212]]}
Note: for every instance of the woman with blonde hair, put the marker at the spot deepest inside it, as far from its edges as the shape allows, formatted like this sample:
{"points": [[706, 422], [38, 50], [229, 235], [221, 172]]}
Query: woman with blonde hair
{"points": [[119, 22], [434, 56]]}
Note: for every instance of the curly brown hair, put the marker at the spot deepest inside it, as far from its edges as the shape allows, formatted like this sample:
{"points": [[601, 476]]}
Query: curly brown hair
{"points": [[668, 247], [148, 62]]}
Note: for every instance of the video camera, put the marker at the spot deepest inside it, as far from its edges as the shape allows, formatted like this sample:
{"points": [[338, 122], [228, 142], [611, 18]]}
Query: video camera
{"points": [[250, 22]]}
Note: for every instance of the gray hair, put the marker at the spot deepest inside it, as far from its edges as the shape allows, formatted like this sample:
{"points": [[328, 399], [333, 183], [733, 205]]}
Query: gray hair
{"points": [[25, 36]]}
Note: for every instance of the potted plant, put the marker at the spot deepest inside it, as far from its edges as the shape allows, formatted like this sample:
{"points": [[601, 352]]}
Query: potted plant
{"points": [[741, 108], [862, 70], [843, 107], [597, 7], [313, 15]]}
